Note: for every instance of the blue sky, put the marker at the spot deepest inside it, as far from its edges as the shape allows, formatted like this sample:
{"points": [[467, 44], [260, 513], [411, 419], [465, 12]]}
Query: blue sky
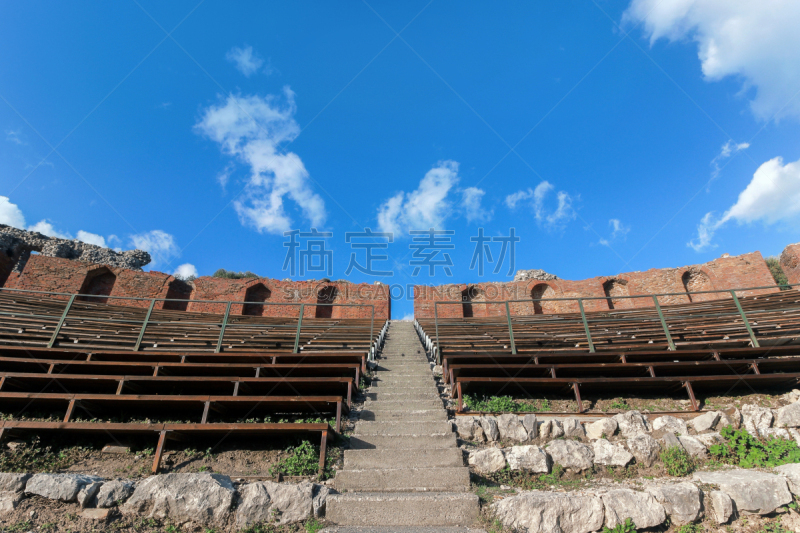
{"points": [[612, 135]]}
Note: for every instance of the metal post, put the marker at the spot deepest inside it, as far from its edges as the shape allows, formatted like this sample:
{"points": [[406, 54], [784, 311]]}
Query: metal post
{"points": [[144, 325], [61, 322], [222, 329], [510, 330], [586, 326], [436, 323], [664, 324], [372, 326], [299, 325], [744, 319]]}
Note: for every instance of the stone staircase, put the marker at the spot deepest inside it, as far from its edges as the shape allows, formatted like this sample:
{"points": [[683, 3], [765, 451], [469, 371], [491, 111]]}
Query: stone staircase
{"points": [[404, 469]]}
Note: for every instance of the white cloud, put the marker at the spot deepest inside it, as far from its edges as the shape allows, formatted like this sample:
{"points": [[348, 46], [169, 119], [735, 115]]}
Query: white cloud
{"points": [[757, 42], [618, 229], [536, 200], [726, 151], [431, 203], [245, 60], [773, 195], [408, 316], [14, 136], [46, 228], [225, 175], [185, 270], [252, 129], [160, 244], [92, 238], [11, 214]]}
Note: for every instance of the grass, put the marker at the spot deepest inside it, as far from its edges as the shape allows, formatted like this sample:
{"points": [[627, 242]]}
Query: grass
{"points": [[690, 528], [531, 481], [774, 264], [619, 404], [33, 457], [742, 449], [677, 461], [626, 527], [491, 404]]}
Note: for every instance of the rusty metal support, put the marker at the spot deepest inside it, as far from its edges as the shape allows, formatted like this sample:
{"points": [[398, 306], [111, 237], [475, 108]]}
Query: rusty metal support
{"points": [[576, 389], [162, 436], [323, 452], [144, 325], [61, 322], [689, 389]]}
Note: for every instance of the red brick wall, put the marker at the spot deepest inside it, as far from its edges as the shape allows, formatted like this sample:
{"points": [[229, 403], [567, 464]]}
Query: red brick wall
{"points": [[790, 263], [54, 274], [747, 270]]}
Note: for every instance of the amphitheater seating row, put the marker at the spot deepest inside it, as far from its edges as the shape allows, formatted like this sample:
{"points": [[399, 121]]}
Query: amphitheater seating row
{"points": [[712, 350]]}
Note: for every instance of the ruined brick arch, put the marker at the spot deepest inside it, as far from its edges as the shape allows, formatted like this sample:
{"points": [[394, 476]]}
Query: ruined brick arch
{"points": [[98, 282], [472, 293], [326, 295], [179, 290], [697, 279], [256, 293], [614, 288], [543, 290]]}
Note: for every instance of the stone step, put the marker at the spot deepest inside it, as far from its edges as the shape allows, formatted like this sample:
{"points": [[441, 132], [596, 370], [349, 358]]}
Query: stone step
{"points": [[364, 427], [408, 371], [417, 381], [403, 509], [416, 414], [452, 479], [400, 395], [364, 459], [400, 529], [398, 405], [372, 442]]}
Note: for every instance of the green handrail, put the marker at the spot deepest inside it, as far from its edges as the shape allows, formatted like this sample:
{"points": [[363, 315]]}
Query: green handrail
{"points": [[744, 319], [222, 328], [664, 324], [585, 325], [510, 330], [299, 325], [144, 325], [61, 322]]}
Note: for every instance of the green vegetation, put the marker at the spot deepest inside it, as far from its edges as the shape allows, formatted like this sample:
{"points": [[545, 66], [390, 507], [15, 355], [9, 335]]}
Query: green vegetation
{"points": [[677, 461], [742, 449], [531, 481], [691, 528], [627, 527], [230, 274], [777, 272], [303, 461], [619, 404], [491, 404], [33, 457], [774, 527]]}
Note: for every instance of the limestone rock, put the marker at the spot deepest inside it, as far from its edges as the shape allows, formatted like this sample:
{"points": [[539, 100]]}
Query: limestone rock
{"points": [[87, 494], [789, 416], [751, 490], [570, 454], [756, 418], [795, 435], [319, 499], [487, 461], [721, 506], [682, 501], [573, 428], [511, 428], [729, 417], [709, 439], [693, 446], [772, 433], [551, 429], [705, 422], [536, 273], [282, 503], [669, 440], [601, 429], [641, 507], [531, 425], [530, 458], [95, 514], [671, 424], [63, 487], [551, 512], [13, 482], [113, 492], [606, 453], [792, 474], [489, 426], [204, 498], [644, 448], [631, 424], [469, 429], [9, 500]]}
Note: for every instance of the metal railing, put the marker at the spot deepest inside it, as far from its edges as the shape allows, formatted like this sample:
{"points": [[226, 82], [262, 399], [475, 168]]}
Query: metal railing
{"points": [[224, 324], [434, 346]]}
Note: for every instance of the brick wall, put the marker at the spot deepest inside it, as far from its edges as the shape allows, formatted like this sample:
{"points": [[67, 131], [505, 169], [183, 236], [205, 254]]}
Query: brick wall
{"points": [[747, 270], [54, 274], [790, 262]]}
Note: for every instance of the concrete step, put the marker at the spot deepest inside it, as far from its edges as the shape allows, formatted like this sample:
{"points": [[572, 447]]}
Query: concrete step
{"points": [[422, 458], [401, 396], [403, 509], [405, 370], [412, 381], [452, 479], [415, 414], [398, 405], [373, 442], [364, 427]]}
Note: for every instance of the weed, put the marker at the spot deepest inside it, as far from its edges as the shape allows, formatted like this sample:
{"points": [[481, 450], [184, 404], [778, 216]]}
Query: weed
{"points": [[20, 526], [677, 462], [626, 527], [774, 527], [313, 526], [742, 449], [491, 404], [170, 529], [47, 527], [619, 404], [691, 528], [303, 461]]}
